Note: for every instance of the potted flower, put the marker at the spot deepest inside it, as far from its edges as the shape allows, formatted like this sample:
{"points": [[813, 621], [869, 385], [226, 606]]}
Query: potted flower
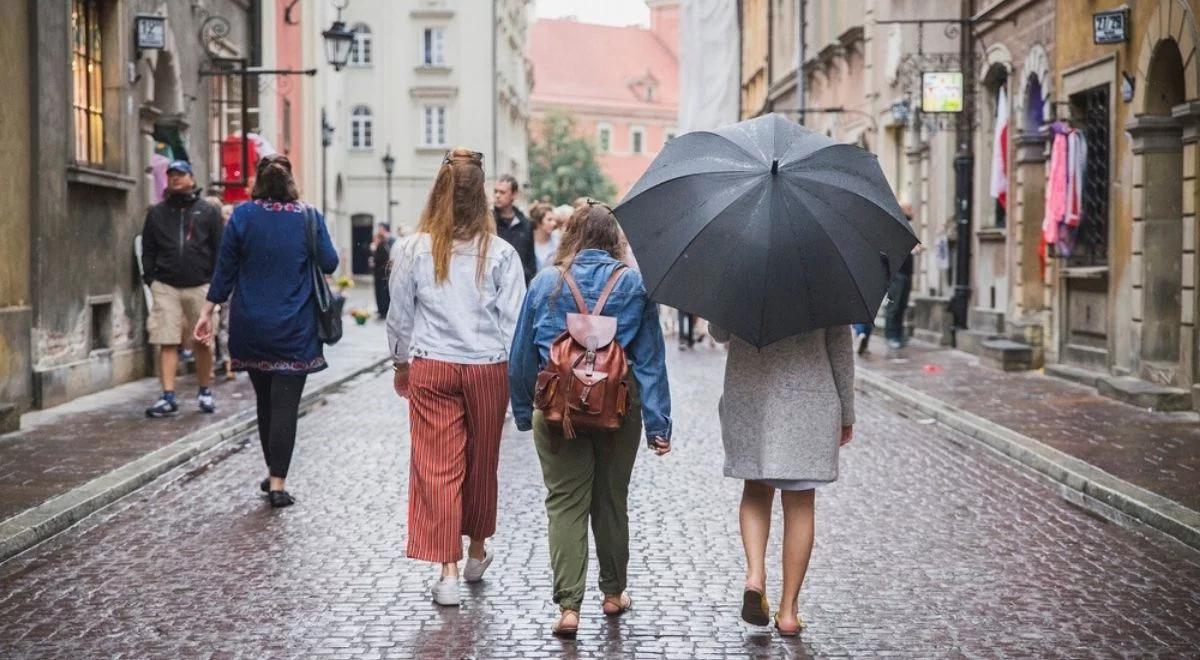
{"points": [[344, 282], [360, 316]]}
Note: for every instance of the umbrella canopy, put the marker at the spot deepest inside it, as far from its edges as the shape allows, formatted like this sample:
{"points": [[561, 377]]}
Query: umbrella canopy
{"points": [[766, 229]]}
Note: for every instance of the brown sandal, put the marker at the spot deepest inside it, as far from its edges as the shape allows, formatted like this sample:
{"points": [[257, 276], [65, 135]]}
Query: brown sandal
{"points": [[561, 629], [617, 605]]}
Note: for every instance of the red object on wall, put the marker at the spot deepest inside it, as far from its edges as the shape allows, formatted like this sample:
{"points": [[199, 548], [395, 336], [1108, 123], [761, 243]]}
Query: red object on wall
{"points": [[231, 167]]}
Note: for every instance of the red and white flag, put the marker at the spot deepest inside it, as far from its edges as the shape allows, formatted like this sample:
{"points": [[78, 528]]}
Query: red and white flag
{"points": [[999, 190]]}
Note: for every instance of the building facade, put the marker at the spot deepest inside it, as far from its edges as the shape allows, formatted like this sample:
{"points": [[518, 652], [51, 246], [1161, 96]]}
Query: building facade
{"points": [[1110, 299], [419, 82], [85, 116], [628, 101]]}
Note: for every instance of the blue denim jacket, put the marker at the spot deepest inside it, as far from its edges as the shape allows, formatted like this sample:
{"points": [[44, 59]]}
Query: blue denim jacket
{"points": [[544, 318]]}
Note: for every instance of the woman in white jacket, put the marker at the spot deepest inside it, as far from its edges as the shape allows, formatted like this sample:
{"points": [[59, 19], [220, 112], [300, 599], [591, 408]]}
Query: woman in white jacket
{"points": [[456, 294]]}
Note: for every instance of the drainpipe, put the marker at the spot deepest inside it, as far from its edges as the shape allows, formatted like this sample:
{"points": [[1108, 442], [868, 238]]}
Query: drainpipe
{"points": [[801, 79], [495, 90]]}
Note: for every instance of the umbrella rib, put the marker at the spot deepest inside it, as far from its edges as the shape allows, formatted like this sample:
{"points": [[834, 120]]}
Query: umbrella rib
{"points": [[857, 287], [700, 233], [681, 178], [865, 199]]}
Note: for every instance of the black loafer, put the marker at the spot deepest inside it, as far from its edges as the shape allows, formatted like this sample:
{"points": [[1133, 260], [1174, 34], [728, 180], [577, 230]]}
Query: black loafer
{"points": [[265, 485], [280, 499]]}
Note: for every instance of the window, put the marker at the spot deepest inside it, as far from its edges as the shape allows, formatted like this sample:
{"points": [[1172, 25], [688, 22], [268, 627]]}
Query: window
{"points": [[637, 140], [360, 50], [433, 126], [87, 101], [362, 129], [433, 47], [604, 138]]}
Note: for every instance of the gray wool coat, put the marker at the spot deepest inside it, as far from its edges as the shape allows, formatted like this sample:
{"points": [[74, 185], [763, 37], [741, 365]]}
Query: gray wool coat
{"points": [[784, 405]]}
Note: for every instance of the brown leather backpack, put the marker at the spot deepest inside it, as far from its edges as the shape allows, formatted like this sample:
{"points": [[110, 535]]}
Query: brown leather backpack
{"points": [[584, 386]]}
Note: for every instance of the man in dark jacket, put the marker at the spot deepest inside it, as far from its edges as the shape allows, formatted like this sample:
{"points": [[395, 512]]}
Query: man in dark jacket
{"points": [[381, 255], [512, 225], [180, 242]]}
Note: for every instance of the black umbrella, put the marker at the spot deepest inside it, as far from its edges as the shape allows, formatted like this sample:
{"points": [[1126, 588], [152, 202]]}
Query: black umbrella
{"points": [[766, 229]]}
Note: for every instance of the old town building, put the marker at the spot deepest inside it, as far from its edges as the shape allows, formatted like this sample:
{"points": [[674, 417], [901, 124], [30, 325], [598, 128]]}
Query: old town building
{"points": [[628, 103]]}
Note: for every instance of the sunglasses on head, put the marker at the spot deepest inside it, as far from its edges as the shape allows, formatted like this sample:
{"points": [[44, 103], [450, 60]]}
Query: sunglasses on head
{"points": [[476, 156]]}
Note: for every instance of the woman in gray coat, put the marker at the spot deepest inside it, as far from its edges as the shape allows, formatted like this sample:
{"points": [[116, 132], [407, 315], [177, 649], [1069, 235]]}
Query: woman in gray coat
{"points": [[786, 410]]}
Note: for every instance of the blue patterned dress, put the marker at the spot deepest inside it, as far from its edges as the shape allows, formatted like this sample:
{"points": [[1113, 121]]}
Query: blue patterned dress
{"points": [[264, 257]]}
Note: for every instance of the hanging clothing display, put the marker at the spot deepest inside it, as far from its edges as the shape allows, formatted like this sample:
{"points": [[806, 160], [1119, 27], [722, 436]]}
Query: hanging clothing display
{"points": [[1065, 181], [999, 184]]}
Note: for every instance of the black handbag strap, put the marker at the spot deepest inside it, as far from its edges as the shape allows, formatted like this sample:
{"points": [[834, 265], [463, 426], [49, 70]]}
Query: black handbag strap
{"points": [[320, 286]]}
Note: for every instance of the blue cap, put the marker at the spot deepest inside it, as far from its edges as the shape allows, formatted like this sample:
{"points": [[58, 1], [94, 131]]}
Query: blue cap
{"points": [[180, 166]]}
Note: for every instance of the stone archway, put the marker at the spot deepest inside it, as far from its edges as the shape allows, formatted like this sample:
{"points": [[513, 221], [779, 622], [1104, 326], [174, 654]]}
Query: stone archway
{"points": [[1165, 130], [1032, 108]]}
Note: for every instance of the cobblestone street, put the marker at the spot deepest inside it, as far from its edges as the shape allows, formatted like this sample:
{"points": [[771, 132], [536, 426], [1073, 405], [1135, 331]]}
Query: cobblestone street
{"points": [[926, 547]]}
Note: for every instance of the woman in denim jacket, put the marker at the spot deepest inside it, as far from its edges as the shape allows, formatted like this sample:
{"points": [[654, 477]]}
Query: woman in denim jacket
{"points": [[589, 475]]}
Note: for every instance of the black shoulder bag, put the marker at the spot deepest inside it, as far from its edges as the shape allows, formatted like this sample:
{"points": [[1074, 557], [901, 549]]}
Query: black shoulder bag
{"points": [[329, 306]]}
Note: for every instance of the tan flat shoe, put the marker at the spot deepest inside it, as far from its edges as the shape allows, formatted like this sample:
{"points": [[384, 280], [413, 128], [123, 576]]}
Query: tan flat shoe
{"points": [[563, 627], [617, 605]]}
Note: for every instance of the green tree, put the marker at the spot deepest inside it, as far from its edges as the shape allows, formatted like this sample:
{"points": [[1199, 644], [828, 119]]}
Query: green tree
{"points": [[562, 165]]}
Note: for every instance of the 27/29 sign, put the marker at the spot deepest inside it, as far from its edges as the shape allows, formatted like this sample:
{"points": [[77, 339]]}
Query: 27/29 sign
{"points": [[1110, 27]]}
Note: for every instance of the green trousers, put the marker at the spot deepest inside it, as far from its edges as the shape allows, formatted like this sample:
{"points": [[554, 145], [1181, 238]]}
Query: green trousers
{"points": [[588, 479]]}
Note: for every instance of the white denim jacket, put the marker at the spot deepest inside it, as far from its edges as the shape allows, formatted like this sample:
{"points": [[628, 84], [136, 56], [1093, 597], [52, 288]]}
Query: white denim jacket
{"points": [[462, 320]]}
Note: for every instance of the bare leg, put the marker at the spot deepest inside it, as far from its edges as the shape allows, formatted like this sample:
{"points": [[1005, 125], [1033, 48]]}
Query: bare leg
{"points": [[476, 549], [797, 548], [168, 366], [755, 518], [450, 569], [204, 363]]}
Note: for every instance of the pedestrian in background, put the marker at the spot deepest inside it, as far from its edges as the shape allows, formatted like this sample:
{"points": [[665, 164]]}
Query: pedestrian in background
{"points": [[899, 290], [222, 334], [687, 330], [588, 476], [545, 235], [381, 251], [273, 318], [456, 292], [511, 224], [180, 241], [781, 436]]}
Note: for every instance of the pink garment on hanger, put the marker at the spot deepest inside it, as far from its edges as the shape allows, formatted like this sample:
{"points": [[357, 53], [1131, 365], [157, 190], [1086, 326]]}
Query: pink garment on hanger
{"points": [[158, 173], [1076, 168], [1056, 188]]}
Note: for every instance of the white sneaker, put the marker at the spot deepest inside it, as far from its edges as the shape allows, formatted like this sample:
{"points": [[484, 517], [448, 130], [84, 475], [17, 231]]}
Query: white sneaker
{"points": [[445, 592], [473, 572]]}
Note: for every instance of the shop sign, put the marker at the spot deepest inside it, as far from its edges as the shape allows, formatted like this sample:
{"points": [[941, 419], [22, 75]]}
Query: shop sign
{"points": [[151, 32], [942, 91], [1110, 27]]}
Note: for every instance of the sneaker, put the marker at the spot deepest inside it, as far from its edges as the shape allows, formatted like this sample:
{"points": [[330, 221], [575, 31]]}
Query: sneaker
{"points": [[206, 402], [445, 592], [895, 344], [475, 568], [164, 407]]}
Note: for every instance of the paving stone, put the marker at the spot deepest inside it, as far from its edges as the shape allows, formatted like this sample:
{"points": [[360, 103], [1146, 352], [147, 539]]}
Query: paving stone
{"points": [[926, 547]]}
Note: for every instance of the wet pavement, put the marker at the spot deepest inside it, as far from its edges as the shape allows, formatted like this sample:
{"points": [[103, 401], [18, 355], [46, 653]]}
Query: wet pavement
{"points": [[69, 445], [1157, 451], [927, 547]]}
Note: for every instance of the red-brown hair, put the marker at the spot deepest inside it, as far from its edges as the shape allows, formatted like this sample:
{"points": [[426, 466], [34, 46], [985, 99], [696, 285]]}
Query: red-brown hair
{"points": [[458, 210]]}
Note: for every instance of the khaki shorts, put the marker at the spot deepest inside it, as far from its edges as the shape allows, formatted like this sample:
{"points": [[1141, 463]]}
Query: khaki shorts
{"points": [[175, 313]]}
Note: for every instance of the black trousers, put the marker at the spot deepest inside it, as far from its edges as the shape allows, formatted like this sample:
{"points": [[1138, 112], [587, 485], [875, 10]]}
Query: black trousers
{"points": [[383, 296], [278, 398], [898, 292]]}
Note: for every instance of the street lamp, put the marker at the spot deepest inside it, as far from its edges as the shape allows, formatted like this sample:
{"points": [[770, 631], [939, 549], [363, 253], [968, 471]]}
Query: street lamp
{"points": [[389, 166], [338, 40]]}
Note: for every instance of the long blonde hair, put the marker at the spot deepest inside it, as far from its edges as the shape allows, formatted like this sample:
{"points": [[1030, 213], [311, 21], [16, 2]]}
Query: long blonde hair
{"points": [[457, 210]]}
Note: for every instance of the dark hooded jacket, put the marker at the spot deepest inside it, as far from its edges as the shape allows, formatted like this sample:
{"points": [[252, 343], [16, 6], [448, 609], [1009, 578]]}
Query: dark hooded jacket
{"points": [[180, 240]]}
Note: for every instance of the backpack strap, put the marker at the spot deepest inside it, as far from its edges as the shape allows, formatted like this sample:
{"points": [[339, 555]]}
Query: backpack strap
{"points": [[571, 284], [608, 288], [604, 295]]}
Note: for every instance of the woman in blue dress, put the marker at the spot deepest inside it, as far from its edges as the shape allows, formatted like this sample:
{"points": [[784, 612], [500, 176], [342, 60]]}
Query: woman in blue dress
{"points": [[273, 322]]}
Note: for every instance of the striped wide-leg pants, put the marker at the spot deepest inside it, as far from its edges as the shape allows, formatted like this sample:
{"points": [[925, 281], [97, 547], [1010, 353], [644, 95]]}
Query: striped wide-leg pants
{"points": [[456, 413]]}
